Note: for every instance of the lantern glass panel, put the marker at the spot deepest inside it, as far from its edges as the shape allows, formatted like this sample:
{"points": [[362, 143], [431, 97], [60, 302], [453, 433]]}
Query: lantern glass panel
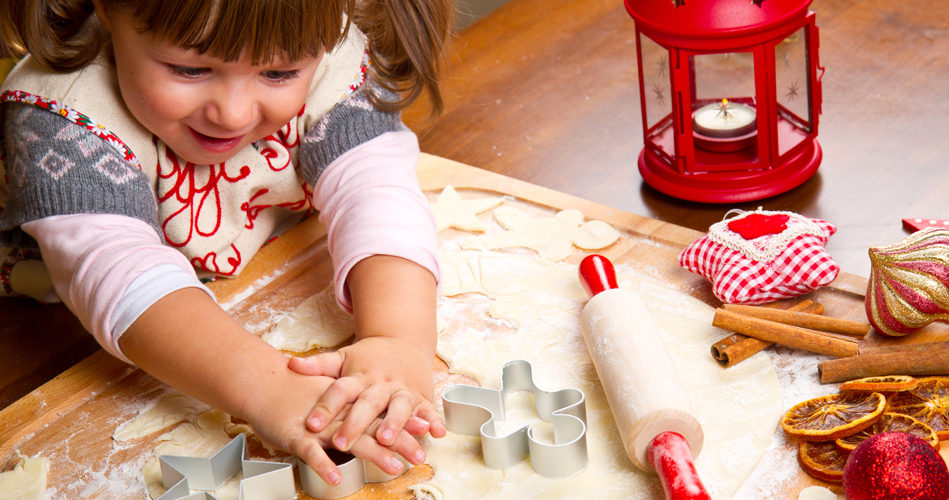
{"points": [[657, 89], [724, 112], [792, 78]]}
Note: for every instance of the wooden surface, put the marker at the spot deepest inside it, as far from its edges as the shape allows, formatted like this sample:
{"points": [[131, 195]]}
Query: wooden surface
{"points": [[71, 418], [545, 92]]}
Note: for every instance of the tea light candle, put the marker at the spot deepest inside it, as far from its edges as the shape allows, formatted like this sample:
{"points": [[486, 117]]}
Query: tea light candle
{"points": [[724, 120]]}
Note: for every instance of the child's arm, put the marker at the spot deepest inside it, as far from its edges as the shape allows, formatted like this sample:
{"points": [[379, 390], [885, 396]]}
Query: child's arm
{"points": [[177, 333], [187, 341], [381, 235]]}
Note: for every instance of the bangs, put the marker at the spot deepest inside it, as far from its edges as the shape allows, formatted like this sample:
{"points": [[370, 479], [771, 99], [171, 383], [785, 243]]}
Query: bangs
{"points": [[263, 30]]}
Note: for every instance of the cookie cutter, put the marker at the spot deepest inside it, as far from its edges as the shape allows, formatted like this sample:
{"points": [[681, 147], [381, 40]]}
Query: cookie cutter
{"points": [[474, 410], [262, 480], [355, 474]]}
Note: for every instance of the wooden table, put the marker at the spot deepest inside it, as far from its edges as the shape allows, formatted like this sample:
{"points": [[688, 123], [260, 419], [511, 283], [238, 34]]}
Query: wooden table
{"points": [[546, 92]]}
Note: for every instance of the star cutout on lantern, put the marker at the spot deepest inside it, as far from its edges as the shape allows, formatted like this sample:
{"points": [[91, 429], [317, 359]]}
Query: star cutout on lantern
{"points": [[663, 65], [659, 90], [792, 91], [677, 3], [757, 2], [451, 211]]}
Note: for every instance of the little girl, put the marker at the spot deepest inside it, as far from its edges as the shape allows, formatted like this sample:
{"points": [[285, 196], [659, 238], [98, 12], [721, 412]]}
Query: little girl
{"points": [[147, 143]]}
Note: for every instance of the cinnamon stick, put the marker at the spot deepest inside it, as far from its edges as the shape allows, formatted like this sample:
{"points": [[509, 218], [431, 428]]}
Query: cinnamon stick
{"points": [[791, 336], [921, 359], [804, 320], [736, 348]]}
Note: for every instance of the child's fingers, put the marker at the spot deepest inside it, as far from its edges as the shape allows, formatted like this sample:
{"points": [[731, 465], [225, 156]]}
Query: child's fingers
{"points": [[397, 414], [369, 449], [327, 364], [426, 412], [369, 405], [339, 394], [310, 451]]}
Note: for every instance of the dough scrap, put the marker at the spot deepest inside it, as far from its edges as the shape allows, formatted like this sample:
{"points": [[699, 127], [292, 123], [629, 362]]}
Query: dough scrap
{"points": [[451, 211], [172, 409], [739, 408], [816, 493], [317, 322], [27, 480], [552, 238]]}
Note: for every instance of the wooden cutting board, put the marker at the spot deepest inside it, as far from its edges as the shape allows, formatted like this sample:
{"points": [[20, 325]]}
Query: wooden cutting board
{"points": [[71, 418]]}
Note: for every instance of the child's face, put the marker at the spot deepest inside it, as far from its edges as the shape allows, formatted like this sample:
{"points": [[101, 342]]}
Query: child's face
{"points": [[203, 108]]}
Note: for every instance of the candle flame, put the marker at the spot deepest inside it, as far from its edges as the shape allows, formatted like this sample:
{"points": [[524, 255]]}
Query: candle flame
{"points": [[725, 102]]}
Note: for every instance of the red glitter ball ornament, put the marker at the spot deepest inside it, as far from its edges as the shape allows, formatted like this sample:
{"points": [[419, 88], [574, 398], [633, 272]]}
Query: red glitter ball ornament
{"points": [[895, 465]]}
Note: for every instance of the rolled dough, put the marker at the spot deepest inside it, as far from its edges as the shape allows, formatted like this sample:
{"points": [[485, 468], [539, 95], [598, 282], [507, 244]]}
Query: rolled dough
{"points": [[317, 322], [738, 408]]}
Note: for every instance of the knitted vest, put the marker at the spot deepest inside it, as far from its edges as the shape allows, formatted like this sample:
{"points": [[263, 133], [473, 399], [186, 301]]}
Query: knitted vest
{"points": [[216, 215]]}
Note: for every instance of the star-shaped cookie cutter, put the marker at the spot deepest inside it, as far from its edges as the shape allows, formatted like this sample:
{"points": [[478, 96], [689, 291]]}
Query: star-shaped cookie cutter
{"points": [[262, 480], [474, 410]]}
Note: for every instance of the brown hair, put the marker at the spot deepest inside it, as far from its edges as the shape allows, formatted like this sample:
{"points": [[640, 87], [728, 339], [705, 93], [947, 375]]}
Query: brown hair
{"points": [[407, 38]]}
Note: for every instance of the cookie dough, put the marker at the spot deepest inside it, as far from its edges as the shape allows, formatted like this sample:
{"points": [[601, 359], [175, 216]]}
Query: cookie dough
{"points": [[27, 480], [317, 322], [451, 211], [553, 238]]}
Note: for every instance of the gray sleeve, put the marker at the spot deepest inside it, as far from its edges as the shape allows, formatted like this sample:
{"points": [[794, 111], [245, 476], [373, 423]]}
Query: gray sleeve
{"points": [[350, 123], [56, 167]]}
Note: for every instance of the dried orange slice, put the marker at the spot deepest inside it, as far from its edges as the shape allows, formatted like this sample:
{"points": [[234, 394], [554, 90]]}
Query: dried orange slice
{"points": [[928, 402], [824, 461], [892, 422], [887, 383], [830, 417]]}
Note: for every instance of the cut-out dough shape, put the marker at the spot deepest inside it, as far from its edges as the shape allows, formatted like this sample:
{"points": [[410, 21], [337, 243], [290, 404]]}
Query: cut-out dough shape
{"points": [[451, 211], [552, 238], [27, 480], [317, 322]]}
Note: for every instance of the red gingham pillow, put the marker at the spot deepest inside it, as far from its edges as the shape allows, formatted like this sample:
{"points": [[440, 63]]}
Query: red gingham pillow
{"points": [[763, 256]]}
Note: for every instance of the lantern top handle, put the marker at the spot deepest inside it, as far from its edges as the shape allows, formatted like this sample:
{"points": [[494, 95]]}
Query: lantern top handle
{"points": [[705, 19]]}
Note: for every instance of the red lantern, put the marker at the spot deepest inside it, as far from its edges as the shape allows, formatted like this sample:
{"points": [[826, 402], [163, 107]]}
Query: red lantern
{"points": [[730, 94]]}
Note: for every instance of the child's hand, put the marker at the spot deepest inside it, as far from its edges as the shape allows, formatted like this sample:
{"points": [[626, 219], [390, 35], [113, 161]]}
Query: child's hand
{"points": [[279, 422], [375, 375]]}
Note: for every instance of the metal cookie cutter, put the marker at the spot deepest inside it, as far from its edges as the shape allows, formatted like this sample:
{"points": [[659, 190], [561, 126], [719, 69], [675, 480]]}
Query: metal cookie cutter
{"points": [[262, 480], [473, 410], [355, 474]]}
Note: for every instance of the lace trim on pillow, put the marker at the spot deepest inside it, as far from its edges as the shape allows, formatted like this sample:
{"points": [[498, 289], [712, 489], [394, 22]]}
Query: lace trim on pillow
{"points": [[765, 248]]}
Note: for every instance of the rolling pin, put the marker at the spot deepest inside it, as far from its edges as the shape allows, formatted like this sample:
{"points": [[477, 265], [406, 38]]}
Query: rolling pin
{"points": [[651, 408]]}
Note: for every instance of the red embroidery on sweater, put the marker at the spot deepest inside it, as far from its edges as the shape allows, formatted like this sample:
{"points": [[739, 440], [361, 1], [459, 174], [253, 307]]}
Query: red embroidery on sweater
{"points": [[209, 262], [253, 211], [185, 190], [756, 225]]}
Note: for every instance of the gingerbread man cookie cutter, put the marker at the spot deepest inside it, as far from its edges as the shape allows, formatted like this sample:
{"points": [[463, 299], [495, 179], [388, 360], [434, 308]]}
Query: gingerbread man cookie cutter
{"points": [[262, 480], [474, 410]]}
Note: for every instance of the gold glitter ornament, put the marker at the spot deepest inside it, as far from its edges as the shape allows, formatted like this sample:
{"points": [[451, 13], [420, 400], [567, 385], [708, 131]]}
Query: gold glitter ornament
{"points": [[909, 283]]}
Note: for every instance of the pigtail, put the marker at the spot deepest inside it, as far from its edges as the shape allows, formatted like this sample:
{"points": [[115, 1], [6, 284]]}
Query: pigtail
{"points": [[407, 44], [63, 35]]}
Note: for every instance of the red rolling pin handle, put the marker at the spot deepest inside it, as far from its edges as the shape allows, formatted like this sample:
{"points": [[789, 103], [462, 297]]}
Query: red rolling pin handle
{"points": [[669, 453], [597, 274]]}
